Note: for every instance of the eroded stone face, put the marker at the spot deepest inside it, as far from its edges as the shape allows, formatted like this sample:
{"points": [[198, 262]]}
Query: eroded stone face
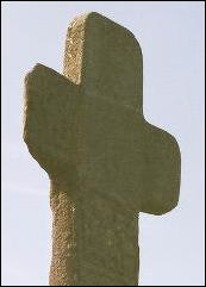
{"points": [[105, 161], [51, 120]]}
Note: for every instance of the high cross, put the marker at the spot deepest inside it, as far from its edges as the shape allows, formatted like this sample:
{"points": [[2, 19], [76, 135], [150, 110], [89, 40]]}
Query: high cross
{"points": [[105, 162]]}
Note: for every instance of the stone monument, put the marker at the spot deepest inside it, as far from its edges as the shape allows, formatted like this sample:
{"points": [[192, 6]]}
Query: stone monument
{"points": [[105, 162]]}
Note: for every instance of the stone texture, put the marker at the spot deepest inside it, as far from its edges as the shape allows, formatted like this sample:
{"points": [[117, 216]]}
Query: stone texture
{"points": [[106, 163]]}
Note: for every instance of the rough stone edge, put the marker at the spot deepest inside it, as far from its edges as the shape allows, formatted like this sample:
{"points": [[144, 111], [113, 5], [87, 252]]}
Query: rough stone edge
{"points": [[73, 53], [63, 270]]}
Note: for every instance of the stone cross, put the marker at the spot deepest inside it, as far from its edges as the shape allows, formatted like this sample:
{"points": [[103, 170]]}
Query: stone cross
{"points": [[105, 162]]}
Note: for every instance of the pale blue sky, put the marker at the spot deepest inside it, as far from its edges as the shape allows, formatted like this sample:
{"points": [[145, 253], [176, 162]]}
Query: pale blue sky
{"points": [[171, 35]]}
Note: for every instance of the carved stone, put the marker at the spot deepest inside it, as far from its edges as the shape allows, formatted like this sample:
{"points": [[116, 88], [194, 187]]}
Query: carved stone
{"points": [[105, 162]]}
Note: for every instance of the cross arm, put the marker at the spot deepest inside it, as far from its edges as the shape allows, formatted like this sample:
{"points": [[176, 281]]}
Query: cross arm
{"points": [[51, 103], [161, 171]]}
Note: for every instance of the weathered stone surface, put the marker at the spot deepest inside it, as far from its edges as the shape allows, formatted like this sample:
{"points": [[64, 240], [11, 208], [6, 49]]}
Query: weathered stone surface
{"points": [[106, 163]]}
